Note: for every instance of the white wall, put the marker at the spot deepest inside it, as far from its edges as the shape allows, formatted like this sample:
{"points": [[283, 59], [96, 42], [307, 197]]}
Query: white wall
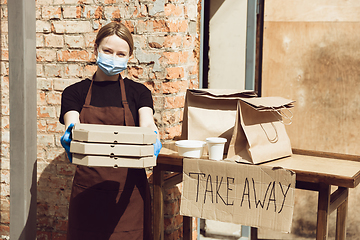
{"points": [[227, 44]]}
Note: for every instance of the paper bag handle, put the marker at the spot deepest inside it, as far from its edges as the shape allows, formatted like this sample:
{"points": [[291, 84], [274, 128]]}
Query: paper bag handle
{"points": [[276, 138], [284, 115]]}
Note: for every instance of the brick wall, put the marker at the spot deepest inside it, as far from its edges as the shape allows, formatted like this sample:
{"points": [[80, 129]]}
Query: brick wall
{"points": [[165, 60]]}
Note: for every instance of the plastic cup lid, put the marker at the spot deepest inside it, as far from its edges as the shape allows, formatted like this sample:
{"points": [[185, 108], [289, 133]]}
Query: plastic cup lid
{"points": [[216, 140], [190, 143]]}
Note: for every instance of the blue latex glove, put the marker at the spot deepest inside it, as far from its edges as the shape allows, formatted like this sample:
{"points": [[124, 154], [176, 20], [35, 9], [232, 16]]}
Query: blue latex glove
{"points": [[66, 140], [157, 146]]}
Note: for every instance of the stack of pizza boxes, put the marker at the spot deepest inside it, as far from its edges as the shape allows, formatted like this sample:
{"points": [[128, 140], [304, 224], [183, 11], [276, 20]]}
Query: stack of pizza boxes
{"points": [[96, 145]]}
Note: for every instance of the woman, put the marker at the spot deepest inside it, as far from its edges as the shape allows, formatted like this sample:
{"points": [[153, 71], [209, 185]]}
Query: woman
{"points": [[109, 203]]}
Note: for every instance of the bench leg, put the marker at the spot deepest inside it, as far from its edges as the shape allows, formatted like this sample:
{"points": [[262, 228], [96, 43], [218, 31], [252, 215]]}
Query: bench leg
{"points": [[254, 233], [341, 221], [323, 211], [158, 215], [187, 227]]}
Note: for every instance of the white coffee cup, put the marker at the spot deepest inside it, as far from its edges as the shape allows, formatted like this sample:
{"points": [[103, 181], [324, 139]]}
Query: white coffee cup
{"points": [[216, 147]]}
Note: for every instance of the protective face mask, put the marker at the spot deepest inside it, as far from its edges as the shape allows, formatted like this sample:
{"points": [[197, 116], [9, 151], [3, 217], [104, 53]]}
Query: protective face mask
{"points": [[111, 65]]}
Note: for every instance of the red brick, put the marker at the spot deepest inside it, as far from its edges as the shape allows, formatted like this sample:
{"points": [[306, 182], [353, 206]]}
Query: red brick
{"points": [[4, 229], [75, 55], [41, 98], [79, 11], [61, 225], [4, 54], [172, 193], [173, 10], [45, 55], [54, 126], [174, 72], [174, 102], [178, 219], [189, 41], [89, 70], [49, 12], [152, 86], [53, 70], [61, 211], [168, 226], [71, 26], [73, 70], [98, 12], [143, 11], [184, 56], [172, 208], [174, 235], [53, 98], [43, 235], [54, 40], [59, 236], [65, 169], [135, 72], [177, 26], [170, 58], [172, 117], [160, 26], [174, 87], [116, 14], [75, 41], [45, 111], [41, 125], [172, 132], [43, 220], [194, 84], [194, 70], [129, 25]]}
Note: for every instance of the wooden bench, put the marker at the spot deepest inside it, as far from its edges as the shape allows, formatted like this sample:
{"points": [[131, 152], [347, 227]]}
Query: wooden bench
{"points": [[315, 171]]}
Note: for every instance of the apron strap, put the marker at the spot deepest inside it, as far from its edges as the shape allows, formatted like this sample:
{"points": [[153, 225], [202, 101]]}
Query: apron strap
{"points": [[88, 95], [129, 119]]}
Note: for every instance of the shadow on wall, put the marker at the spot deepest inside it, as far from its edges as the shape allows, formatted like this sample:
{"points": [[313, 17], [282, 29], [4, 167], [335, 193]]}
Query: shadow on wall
{"points": [[53, 195]]}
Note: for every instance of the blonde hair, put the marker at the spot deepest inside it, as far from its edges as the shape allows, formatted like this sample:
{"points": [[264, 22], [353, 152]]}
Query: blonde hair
{"points": [[118, 29]]}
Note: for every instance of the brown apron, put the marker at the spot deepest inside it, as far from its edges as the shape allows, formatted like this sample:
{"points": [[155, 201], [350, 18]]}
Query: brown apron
{"points": [[109, 203]]}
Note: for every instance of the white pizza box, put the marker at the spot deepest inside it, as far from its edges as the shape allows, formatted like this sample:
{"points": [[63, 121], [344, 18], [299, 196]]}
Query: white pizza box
{"points": [[113, 134], [111, 149], [107, 161]]}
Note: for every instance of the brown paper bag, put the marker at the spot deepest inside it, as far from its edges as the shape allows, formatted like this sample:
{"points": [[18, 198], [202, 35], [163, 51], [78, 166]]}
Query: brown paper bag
{"points": [[259, 134], [211, 113]]}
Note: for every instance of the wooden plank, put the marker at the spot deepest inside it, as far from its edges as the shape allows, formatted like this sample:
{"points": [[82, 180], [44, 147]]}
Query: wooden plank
{"points": [[318, 166], [323, 212], [338, 156], [172, 180], [312, 11], [316, 64], [337, 198]]}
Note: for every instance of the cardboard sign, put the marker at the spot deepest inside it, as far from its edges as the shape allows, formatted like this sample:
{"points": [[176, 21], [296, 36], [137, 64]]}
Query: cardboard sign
{"points": [[238, 193]]}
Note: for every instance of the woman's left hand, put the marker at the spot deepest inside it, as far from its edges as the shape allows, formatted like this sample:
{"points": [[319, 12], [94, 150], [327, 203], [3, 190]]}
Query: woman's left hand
{"points": [[157, 146], [66, 140]]}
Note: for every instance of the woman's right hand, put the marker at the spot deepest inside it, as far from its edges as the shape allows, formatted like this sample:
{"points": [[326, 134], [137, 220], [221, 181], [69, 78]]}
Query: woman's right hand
{"points": [[66, 140]]}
